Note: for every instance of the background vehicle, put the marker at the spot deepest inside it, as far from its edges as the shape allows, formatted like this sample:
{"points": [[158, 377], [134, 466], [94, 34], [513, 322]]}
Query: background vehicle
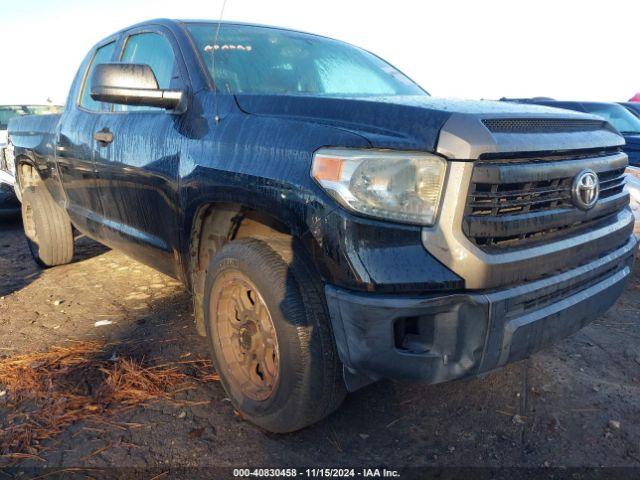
{"points": [[626, 123], [633, 186], [633, 183], [335, 224], [9, 204], [633, 107]]}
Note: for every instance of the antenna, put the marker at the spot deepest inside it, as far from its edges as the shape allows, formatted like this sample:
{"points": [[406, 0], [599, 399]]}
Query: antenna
{"points": [[213, 64]]}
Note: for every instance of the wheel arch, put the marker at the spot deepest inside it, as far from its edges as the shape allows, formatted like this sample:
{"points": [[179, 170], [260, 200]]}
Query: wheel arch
{"points": [[27, 174], [217, 223]]}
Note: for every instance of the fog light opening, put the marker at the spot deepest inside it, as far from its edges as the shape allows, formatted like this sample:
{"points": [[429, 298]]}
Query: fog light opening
{"points": [[413, 334]]}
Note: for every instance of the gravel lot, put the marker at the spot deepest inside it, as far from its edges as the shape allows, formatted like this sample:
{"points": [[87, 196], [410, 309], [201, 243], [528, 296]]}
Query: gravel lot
{"points": [[574, 405]]}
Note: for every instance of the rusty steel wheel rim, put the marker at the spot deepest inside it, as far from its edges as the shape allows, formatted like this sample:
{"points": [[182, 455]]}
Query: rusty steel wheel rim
{"points": [[246, 335]]}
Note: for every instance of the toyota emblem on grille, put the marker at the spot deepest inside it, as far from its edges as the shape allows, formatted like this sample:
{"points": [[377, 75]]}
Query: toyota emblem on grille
{"points": [[586, 189]]}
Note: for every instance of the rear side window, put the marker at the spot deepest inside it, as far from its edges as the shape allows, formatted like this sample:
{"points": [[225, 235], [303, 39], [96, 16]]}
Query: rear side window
{"points": [[103, 55], [154, 50]]}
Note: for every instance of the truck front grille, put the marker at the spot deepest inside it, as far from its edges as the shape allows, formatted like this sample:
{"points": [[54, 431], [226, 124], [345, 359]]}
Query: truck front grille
{"points": [[518, 202]]}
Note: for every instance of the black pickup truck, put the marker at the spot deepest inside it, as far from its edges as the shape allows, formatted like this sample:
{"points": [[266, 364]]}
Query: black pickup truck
{"points": [[335, 224]]}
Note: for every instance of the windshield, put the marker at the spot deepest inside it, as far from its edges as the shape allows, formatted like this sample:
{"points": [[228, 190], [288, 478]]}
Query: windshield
{"points": [[616, 115], [267, 61], [7, 112]]}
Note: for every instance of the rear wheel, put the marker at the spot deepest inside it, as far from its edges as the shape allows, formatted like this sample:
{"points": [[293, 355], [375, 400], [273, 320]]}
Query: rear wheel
{"points": [[269, 332], [47, 228]]}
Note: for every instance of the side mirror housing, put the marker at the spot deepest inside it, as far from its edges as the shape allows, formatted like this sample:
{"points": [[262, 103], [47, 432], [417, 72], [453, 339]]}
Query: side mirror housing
{"points": [[133, 84]]}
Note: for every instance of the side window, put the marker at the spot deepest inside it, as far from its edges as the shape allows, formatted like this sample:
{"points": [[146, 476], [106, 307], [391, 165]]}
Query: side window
{"points": [[103, 55], [154, 50]]}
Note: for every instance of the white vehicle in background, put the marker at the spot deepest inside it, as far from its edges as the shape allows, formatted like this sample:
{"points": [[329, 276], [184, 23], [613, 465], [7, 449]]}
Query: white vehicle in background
{"points": [[633, 186], [9, 204]]}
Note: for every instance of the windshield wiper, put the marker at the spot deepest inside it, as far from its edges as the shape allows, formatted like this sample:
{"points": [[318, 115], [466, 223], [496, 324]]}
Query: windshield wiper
{"points": [[629, 132]]}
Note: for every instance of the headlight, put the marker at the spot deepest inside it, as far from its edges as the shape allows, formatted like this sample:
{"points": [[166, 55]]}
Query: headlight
{"points": [[400, 186]]}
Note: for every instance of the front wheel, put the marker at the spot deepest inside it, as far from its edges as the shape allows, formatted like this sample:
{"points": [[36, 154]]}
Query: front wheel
{"points": [[268, 327]]}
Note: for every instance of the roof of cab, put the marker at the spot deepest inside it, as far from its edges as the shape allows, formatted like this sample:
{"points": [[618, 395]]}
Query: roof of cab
{"points": [[174, 24]]}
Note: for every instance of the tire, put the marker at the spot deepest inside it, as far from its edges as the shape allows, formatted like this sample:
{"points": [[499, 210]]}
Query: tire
{"points": [[301, 374], [47, 228]]}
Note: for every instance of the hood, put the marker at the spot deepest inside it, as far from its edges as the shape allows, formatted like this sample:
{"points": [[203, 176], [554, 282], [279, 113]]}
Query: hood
{"points": [[405, 122]]}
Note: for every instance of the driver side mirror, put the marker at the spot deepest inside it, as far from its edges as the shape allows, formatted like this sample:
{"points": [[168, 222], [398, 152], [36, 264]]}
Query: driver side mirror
{"points": [[133, 84]]}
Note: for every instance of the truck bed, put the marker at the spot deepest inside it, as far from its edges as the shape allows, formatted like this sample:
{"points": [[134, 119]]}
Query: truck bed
{"points": [[35, 135]]}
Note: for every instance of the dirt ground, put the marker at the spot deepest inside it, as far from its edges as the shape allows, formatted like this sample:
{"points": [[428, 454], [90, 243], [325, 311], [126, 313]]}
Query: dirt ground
{"points": [[574, 405]]}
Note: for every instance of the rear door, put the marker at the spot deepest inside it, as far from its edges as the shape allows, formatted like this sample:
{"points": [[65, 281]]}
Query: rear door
{"points": [[75, 148], [138, 169]]}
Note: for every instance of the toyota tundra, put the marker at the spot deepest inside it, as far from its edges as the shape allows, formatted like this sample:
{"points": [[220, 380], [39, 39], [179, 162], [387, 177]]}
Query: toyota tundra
{"points": [[335, 223]]}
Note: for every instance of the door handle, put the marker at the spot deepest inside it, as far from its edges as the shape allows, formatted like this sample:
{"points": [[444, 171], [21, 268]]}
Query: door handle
{"points": [[104, 137]]}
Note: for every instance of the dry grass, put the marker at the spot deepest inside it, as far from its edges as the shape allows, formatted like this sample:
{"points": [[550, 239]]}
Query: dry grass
{"points": [[42, 394]]}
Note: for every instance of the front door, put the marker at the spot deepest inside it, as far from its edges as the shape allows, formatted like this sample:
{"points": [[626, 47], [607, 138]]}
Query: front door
{"points": [[138, 164]]}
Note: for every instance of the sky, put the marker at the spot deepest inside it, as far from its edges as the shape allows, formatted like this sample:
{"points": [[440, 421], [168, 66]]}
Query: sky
{"points": [[570, 50]]}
